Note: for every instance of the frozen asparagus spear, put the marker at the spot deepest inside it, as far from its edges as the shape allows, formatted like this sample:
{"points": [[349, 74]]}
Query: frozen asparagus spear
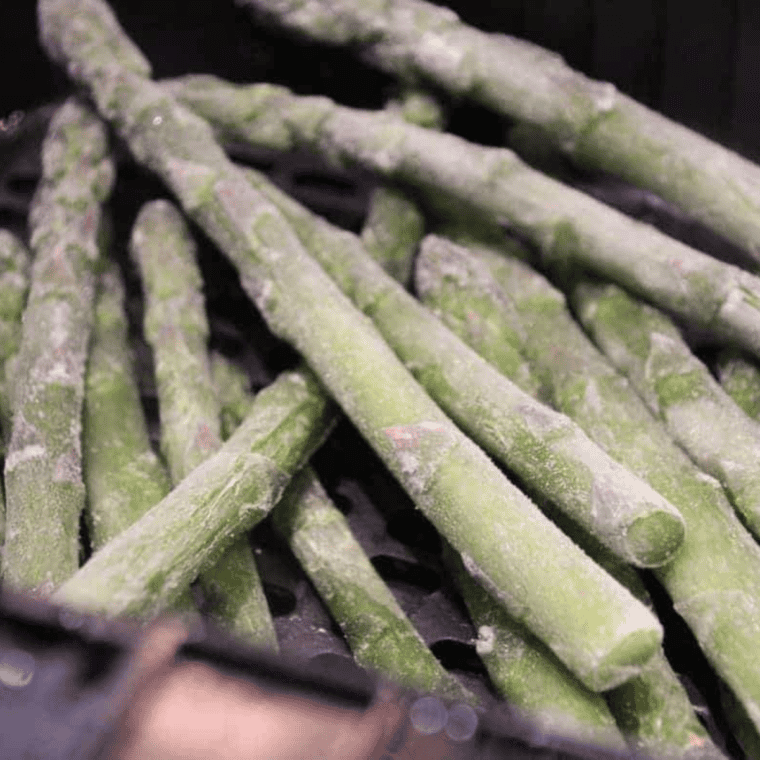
{"points": [[231, 385], [645, 345], [122, 474], [380, 635], [597, 126], [148, 566], [177, 330], [14, 286], [593, 623], [15, 262], [43, 468], [546, 449], [740, 378], [565, 225], [714, 578]]}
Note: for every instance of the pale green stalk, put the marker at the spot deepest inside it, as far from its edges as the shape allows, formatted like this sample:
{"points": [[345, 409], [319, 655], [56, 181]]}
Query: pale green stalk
{"points": [[645, 345], [546, 449], [714, 578], [123, 476], [565, 225], [739, 376], [604, 635], [176, 328], [232, 388], [592, 122], [43, 467], [15, 263], [145, 568]]}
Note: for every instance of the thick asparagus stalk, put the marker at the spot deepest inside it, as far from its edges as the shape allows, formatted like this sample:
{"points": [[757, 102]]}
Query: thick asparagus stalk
{"points": [[740, 378], [714, 578], [15, 262], [645, 345], [544, 448], [43, 468], [564, 224], [177, 330], [595, 625], [147, 567], [593, 123]]}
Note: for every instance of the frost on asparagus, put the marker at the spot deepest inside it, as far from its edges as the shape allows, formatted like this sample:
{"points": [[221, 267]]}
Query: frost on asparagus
{"points": [[647, 347], [43, 468], [546, 449], [177, 330], [592, 122], [718, 561], [148, 566], [739, 376], [565, 225], [604, 634]]}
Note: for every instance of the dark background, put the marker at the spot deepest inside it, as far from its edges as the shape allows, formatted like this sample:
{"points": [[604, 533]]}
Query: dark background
{"points": [[696, 62]]}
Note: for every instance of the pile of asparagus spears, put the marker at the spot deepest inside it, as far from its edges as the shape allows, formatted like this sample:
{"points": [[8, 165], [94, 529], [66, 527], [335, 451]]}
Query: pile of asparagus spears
{"points": [[454, 354]]}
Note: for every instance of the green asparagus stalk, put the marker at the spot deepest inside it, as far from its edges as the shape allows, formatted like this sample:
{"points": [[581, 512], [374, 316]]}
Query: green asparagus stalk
{"points": [[43, 468], [740, 378], [380, 635], [146, 567], [543, 447], [177, 330], [231, 385], [595, 625], [123, 476], [593, 123], [15, 262], [565, 225], [645, 345], [714, 578]]}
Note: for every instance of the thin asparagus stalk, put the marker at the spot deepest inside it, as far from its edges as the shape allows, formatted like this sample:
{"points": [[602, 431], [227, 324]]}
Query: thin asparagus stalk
{"points": [[123, 476], [590, 121], [544, 448], [177, 330], [146, 567], [740, 378], [645, 345], [714, 578], [379, 633], [394, 224], [231, 385], [565, 225], [43, 469], [15, 263], [603, 634]]}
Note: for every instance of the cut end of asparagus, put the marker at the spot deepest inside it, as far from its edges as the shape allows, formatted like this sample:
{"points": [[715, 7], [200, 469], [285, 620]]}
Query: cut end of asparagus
{"points": [[654, 538], [627, 658]]}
